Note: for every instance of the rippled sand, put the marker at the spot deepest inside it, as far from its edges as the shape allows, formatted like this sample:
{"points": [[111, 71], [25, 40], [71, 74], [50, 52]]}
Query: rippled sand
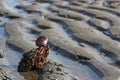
{"points": [[84, 36]]}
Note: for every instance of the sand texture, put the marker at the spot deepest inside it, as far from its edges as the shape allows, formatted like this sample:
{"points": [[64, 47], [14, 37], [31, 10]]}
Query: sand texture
{"points": [[84, 38]]}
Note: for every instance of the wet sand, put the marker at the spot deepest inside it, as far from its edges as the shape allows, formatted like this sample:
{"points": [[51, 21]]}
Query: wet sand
{"points": [[84, 37]]}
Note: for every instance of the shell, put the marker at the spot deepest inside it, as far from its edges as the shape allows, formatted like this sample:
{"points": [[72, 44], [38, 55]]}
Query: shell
{"points": [[41, 41]]}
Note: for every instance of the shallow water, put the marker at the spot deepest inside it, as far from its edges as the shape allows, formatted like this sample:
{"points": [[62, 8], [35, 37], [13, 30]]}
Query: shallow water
{"points": [[74, 69], [13, 58], [2, 32], [45, 5], [10, 4]]}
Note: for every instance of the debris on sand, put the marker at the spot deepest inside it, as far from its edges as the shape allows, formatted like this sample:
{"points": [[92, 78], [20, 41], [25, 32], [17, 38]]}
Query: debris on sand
{"points": [[35, 58]]}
